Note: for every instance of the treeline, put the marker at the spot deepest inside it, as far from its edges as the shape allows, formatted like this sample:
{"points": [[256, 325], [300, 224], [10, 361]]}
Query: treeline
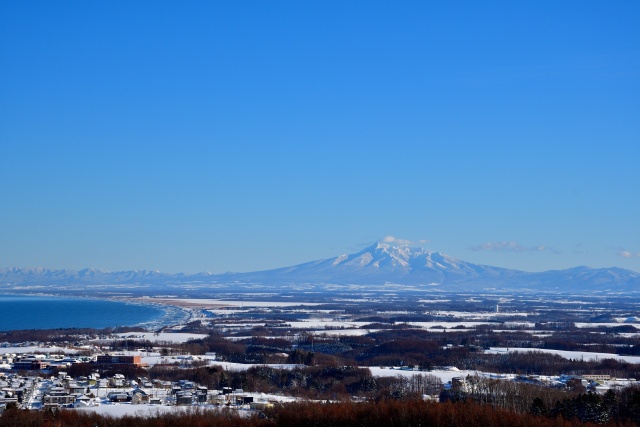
{"points": [[344, 383], [406, 413], [313, 382], [507, 395], [622, 406], [400, 346], [59, 335], [405, 347], [85, 369]]}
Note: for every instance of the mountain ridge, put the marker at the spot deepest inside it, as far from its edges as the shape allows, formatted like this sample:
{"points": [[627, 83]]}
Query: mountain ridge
{"points": [[377, 264]]}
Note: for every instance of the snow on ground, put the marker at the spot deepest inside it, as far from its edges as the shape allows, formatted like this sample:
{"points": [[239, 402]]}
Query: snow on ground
{"points": [[631, 319], [177, 337], [146, 410], [269, 303], [320, 326], [446, 325], [344, 332], [154, 358], [606, 325], [224, 303], [229, 366], [122, 409], [151, 358], [445, 375], [576, 355], [226, 326], [35, 349], [326, 323], [226, 311], [479, 315]]}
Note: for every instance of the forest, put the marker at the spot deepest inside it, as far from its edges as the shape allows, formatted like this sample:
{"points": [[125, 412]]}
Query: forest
{"points": [[584, 410]]}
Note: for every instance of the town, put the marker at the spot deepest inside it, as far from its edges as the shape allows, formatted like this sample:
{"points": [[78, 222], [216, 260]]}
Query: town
{"points": [[252, 356]]}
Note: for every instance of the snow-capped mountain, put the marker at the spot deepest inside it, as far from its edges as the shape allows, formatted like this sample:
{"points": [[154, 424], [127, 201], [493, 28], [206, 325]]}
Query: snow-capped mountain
{"points": [[379, 264], [384, 262], [388, 263]]}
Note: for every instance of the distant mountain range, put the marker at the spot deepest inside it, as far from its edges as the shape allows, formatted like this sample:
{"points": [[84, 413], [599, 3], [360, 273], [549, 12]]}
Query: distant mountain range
{"points": [[379, 265]]}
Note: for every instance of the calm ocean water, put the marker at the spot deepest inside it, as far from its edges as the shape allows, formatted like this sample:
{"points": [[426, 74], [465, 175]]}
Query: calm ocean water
{"points": [[31, 312]]}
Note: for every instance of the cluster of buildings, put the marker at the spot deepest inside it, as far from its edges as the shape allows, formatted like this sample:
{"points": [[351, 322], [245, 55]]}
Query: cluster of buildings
{"points": [[15, 389], [64, 391], [32, 391], [37, 361], [21, 386]]}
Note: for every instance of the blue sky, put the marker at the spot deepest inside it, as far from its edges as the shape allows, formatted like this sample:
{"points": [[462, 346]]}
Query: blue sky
{"points": [[239, 136]]}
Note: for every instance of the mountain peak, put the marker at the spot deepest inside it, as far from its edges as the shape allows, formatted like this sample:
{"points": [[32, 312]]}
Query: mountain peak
{"points": [[389, 260], [395, 241], [398, 249]]}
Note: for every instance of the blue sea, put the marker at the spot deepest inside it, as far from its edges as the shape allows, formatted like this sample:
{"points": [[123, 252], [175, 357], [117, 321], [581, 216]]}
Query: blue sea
{"points": [[45, 312]]}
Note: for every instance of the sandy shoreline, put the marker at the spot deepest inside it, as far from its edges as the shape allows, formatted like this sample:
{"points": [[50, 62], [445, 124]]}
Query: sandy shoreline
{"points": [[203, 304]]}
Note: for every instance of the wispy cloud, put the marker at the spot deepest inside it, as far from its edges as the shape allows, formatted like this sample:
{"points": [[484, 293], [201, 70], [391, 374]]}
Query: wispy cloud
{"points": [[579, 250], [627, 254], [397, 241], [508, 247]]}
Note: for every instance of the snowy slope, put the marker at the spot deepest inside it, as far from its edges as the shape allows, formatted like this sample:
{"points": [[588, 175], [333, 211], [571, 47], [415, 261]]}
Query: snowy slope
{"points": [[401, 264], [378, 264]]}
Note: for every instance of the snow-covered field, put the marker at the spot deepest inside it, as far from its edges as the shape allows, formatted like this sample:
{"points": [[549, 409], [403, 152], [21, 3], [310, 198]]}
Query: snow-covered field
{"points": [[34, 349], [326, 323], [120, 410], [261, 303], [204, 302], [146, 410], [576, 355], [229, 366], [479, 314], [607, 325], [343, 332], [445, 375], [447, 325], [176, 337]]}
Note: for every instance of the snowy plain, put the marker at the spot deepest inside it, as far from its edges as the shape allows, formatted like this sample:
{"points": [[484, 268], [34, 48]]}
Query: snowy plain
{"points": [[575, 355]]}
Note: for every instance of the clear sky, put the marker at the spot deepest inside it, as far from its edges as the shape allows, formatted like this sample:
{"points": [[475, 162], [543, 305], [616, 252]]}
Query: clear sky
{"points": [[248, 135]]}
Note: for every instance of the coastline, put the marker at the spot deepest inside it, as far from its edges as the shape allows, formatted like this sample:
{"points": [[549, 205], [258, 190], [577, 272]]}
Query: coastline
{"points": [[185, 303], [174, 314], [168, 314]]}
